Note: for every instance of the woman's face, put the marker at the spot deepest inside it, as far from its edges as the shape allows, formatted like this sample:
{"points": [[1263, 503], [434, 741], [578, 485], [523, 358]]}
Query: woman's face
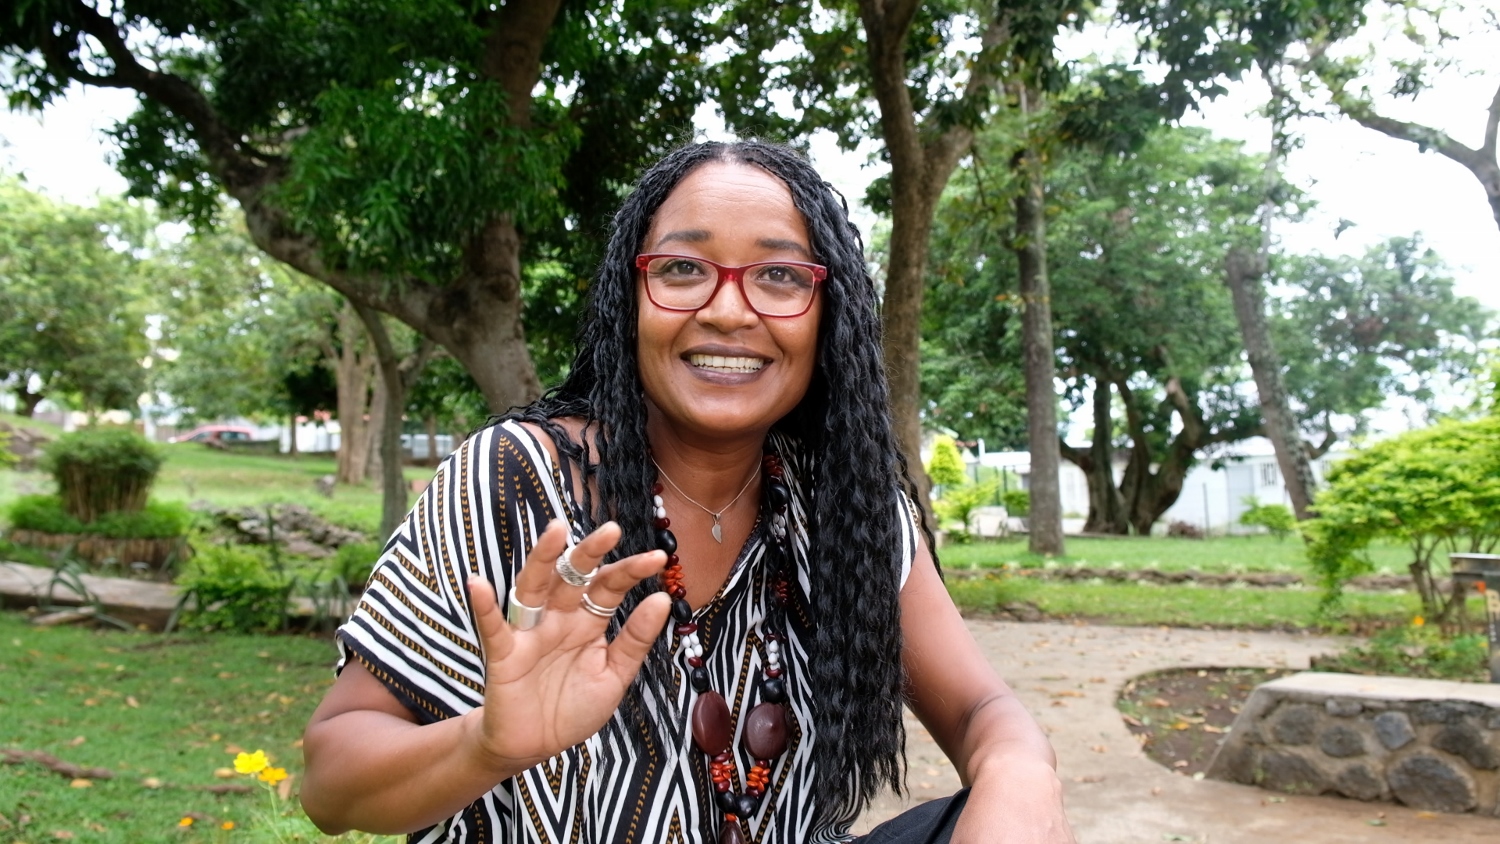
{"points": [[725, 369]]}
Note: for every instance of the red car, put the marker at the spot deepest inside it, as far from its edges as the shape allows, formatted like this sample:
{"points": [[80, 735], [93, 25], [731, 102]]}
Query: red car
{"points": [[215, 435]]}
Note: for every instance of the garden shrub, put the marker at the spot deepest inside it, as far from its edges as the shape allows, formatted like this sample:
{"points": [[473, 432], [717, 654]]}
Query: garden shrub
{"points": [[1017, 503], [1436, 490], [947, 466], [1414, 650], [102, 470], [7, 457], [355, 561], [1178, 529], [233, 589], [959, 503], [1278, 519], [45, 514]]}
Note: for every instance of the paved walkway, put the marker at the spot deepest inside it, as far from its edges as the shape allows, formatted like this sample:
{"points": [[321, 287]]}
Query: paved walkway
{"points": [[1069, 676]]}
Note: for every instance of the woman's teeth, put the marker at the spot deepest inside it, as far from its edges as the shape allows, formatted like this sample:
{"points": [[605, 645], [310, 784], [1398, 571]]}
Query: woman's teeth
{"points": [[725, 364]]}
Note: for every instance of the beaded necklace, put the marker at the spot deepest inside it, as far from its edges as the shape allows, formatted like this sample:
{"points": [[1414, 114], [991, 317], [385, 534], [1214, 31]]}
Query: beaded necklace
{"points": [[766, 730]]}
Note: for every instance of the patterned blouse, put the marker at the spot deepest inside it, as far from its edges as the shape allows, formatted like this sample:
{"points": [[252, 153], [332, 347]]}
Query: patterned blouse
{"points": [[412, 630]]}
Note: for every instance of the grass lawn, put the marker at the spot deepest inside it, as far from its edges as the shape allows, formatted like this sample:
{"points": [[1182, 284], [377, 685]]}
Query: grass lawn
{"points": [[1189, 606], [162, 713], [1229, 554]]}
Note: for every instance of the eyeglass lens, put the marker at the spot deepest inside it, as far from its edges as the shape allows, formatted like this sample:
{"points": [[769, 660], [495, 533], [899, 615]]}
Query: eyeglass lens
{"points": [[772, 289]]}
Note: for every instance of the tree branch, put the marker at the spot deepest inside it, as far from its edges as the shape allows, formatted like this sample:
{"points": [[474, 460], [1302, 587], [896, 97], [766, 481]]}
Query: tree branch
{"points": [[221, 144], [1491, 127]]}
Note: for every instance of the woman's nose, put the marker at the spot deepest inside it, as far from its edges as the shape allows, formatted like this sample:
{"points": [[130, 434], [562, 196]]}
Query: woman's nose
{"points": [[728, 308]]}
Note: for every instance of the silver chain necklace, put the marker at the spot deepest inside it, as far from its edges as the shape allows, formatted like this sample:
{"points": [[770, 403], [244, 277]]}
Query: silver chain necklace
{"points": [[718, 530]]}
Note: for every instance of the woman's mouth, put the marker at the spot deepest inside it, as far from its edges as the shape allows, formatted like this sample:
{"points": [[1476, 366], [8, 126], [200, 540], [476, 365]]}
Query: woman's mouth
{"points": [[720, 363]]}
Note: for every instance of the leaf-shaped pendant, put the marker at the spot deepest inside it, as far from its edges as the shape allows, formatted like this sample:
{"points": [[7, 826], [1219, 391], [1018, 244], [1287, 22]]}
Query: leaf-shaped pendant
{"points": [[718, 532]]}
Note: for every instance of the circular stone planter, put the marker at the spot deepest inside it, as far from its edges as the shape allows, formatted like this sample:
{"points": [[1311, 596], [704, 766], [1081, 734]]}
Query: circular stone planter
{"points": [[156, 553]]}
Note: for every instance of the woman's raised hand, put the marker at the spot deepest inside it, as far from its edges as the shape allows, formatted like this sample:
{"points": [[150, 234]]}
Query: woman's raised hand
{"points": [[550, 687]]}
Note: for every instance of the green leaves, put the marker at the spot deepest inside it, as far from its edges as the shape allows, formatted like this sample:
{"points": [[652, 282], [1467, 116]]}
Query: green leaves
{"points": [[71, 323], [1437, 490]]}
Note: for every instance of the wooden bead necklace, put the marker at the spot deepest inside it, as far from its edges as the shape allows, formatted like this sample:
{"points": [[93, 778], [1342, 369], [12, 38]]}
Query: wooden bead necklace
{"points": [[766, 731]]}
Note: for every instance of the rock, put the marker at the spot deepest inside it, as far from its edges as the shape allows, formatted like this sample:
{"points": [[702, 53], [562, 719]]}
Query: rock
{"points": [[1423, 781], [1466, 740], [1440, 712], [1494, 720], [1341, 742], [1360, 783], [1023, 611], [1343, 708], [1290, 773], [1295, 724], [1237, 764], [1394, 730]]}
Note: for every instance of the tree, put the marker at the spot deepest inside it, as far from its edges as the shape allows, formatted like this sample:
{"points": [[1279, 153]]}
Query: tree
{"points": [[946, 468], [1414, 59], [1358, 331], [1144, 331], [1201, 42], [239, 333], [407, 154], [72, 325]]}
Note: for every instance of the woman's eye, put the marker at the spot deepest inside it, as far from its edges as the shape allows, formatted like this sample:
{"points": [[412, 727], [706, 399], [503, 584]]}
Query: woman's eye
{"points": [[684, 268], [780, 274]]}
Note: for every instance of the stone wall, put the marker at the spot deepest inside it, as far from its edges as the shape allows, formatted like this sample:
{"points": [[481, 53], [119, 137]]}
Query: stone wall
{"points": [[1429, 744]]}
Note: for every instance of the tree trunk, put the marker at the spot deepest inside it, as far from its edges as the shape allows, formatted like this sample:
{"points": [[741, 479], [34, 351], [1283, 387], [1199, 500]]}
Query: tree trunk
{"points": [[921, 164], [379, 399], [291, 448], [29, 401], [1036, 342], [1106, 508], [1242, 271], [396, 376], [352, 372], [432, 453]]}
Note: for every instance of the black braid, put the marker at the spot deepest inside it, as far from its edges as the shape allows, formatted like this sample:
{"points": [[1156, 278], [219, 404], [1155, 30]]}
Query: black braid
{"points": [[855, 664]]}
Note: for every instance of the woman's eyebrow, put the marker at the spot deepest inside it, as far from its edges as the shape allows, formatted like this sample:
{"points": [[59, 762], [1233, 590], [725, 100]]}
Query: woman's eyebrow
{"points": [[685, 236], [781, 244]]}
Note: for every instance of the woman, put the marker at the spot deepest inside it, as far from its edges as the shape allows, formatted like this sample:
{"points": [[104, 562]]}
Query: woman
{"points": [[682, 596]]}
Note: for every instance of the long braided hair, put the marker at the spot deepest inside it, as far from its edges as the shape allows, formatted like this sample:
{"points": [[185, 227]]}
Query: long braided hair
{"points": [[855, 653]]}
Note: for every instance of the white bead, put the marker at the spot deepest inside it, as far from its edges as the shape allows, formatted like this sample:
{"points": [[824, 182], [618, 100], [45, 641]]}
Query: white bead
{"points": [[656, 499], [773, 646], [698, 651], [661, 512]]}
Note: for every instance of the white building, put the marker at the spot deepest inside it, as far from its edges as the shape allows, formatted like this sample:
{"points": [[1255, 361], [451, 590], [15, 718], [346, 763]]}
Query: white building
{"points": [[1214, 493]]}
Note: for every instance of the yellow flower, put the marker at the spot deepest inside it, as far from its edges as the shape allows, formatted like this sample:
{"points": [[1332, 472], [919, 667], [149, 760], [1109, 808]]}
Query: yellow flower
{"points": [[185, 822], [1418, 621], [227, 825], [273, 775], [251, 763]]}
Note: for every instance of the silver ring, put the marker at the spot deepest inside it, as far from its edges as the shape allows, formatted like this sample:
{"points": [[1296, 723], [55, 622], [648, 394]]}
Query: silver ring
{"points": [[570, 575], [519, 615], [594, 609]]}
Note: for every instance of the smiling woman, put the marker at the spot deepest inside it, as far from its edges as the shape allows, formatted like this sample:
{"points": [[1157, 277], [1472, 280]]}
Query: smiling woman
{"points": [[719, 456]]}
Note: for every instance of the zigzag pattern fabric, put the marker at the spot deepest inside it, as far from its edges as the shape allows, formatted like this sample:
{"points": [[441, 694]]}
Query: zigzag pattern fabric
{"points": [[413, 631]]}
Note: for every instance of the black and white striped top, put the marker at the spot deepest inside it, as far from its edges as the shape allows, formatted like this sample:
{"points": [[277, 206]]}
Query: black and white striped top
{"points": [[413, 631]]}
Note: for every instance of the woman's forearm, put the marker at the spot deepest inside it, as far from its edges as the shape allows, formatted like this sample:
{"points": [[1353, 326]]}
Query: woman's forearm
{"points": [[376, 772]]}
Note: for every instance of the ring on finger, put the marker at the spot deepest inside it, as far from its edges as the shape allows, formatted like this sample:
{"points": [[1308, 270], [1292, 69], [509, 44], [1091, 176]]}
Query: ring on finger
{"points": [[518, 614], [570, 575], [592, 608]]}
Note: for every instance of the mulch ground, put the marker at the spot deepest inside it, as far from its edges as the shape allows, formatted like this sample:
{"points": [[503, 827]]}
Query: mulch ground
{"points": [[1181, 716]]}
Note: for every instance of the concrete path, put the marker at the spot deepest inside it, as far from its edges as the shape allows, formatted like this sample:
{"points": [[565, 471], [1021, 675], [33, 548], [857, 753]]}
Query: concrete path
{"points": [[1069, 676]]}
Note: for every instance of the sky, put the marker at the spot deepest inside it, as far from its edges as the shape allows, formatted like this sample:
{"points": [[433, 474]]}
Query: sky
{"points": [[1383, 186]]}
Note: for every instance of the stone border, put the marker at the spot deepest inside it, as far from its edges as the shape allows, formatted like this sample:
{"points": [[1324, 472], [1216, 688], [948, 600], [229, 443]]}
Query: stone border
{"points": [[1430, 744]]}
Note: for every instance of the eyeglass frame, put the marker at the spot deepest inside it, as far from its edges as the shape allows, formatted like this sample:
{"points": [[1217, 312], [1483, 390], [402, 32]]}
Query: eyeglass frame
{"points": [[736, 275]]}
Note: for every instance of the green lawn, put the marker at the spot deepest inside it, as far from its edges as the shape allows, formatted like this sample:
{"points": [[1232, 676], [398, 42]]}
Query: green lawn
{"points": [[163, 714], [1230, 554], [1187, 606]]}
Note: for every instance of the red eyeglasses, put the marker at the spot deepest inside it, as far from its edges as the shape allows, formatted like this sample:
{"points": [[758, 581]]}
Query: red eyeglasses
{"points": [[772, 288]]}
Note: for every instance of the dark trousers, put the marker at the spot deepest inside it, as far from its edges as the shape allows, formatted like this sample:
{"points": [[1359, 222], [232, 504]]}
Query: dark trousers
{"points": [[929, 823]]}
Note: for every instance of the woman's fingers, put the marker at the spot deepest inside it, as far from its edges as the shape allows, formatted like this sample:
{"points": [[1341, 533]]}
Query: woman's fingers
{"points": [[615, 579], [585, 558], [629, 649], [534, 582], [494, 633]]}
